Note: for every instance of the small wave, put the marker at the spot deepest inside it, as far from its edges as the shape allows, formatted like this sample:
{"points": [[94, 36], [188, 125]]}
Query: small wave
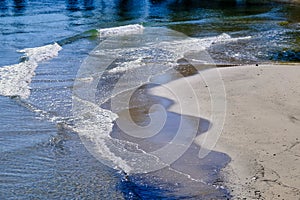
{"points": [[39, 54], [127, 66], [121, 30], [167, 53], [15, 79]]}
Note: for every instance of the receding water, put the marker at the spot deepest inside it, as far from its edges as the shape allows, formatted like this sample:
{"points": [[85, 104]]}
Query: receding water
{"points": [[41, 155]]}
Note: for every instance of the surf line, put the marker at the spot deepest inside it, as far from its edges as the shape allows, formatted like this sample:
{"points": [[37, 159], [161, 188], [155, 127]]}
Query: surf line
{"points": [[15, 79], [104, 33]]}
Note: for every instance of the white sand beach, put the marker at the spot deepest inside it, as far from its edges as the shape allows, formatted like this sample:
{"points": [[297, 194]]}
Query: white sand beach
{"points": [[261, 131]]}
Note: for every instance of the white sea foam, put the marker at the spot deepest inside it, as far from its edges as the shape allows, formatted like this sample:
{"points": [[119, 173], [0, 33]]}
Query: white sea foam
{"points": [[167, 53], [42, 53], [181, 47], [15, 79], [121, 30], [127, 65], [94, 126]]}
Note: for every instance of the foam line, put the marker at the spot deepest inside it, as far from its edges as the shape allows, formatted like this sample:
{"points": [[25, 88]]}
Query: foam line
{"points": [[15, 79], [121, 30]]}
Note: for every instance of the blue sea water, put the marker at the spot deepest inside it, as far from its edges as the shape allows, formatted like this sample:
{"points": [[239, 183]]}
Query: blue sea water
{"points": [[41, 157]]}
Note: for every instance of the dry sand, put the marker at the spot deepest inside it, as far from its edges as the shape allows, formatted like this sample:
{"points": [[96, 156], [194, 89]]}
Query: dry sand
{"points": [[261, 131]]}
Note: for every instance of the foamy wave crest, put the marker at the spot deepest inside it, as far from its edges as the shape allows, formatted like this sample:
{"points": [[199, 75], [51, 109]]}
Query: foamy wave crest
{"points": [[121, 30], [166, 52], [181, 47], [15, 79], [128, 65], [42, 53]]}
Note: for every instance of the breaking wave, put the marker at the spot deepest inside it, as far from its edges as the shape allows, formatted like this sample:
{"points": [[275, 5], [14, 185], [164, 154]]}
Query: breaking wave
{"points": [[15, 79]]}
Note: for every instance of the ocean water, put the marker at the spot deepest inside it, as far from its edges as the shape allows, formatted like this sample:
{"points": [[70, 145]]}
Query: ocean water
{"points": [[65, 63]]}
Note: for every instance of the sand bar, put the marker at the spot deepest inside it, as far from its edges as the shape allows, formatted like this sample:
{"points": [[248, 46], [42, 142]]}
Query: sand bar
{"points": [[261, 131]]}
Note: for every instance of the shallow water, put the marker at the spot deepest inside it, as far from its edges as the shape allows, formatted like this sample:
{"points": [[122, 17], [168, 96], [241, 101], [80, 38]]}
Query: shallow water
{"points": [[40, 154]]}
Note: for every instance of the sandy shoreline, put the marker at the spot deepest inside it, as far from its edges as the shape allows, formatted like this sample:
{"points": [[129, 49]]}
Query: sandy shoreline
{"points": [[261, 131]]}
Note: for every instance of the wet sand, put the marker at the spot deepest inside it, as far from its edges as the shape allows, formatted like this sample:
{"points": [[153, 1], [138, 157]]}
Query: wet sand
{"points": [[261, 131], [187, 176]]}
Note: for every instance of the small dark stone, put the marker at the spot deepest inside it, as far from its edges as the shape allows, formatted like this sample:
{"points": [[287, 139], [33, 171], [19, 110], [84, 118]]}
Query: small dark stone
{"points": [[14, 97], [126, 177], [256, 65]]}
